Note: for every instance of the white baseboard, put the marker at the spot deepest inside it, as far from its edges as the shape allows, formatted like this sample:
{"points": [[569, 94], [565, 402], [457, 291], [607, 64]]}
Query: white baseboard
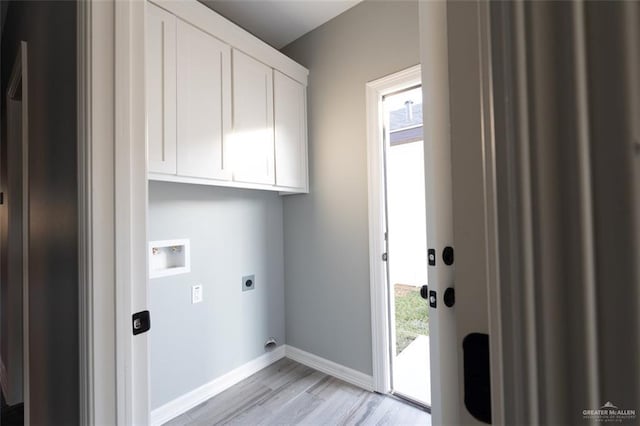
{"points": [[331, 368], [197, 396], [4, 380]]}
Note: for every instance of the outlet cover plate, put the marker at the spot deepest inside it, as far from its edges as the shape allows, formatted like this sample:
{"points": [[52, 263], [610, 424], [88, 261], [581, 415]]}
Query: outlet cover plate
{"points": [[196, 293], [248, 282]]}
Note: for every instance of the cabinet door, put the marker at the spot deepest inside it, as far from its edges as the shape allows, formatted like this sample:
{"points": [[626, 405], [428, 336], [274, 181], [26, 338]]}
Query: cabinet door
{"points": [[290, 132], [204, 103], [161, 90], [252, 140]]}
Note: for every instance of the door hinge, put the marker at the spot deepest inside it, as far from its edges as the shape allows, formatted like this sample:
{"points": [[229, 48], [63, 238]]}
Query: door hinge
{"points": [[141, 322]]}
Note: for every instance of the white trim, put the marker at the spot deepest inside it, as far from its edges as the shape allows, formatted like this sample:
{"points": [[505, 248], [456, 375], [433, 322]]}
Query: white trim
{"points": [[132, 352], [380, 328], [184, 403], [97, 345], [200, 16], [336, 370]]}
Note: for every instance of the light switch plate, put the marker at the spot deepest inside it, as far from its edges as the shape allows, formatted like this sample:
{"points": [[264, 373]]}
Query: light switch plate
{"points": [[196, 293]]}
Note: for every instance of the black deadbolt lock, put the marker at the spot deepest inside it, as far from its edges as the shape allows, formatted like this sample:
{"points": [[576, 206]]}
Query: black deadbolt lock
{"points": [[248, 283], [433, 300], [431, 255], [449, 297], [447, 256]]}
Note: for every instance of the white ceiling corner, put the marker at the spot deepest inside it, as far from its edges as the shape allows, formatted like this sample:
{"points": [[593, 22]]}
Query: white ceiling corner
{"points": [[279, 22]]}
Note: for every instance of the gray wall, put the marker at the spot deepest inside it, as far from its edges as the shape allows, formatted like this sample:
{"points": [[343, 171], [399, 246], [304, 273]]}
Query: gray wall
{"points": [[49, 27], [326, 232], [233, 232]]}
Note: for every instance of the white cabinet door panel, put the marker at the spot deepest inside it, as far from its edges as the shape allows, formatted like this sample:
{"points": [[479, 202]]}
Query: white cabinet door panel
{"points": [[161, 90], [290, 132], [204, 103], [251, 145]]}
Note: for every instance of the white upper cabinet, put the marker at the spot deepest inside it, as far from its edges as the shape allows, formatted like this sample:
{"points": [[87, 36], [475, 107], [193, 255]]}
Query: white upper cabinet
{"points": [[223, 107], [251, 143], [204, 103], [161, 90], [289, 100]]}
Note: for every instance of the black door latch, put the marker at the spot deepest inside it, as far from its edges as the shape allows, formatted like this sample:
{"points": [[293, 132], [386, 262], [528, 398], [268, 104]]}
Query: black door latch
{"points": [[424, 292], [429, 295], [141, 322]]}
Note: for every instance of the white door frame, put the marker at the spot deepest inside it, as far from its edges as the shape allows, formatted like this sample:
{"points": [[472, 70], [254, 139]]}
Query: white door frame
{"points": [[114, 380], [380, 321]]}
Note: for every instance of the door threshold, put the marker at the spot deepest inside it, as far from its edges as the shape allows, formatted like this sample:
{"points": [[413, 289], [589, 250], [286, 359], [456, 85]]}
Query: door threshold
{"points": [[408, 400]]}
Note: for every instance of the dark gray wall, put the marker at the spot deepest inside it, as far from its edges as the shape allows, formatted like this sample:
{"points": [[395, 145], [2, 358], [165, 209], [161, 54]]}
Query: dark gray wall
{"points": [[49, 27], [232, 233], [326, 232]]}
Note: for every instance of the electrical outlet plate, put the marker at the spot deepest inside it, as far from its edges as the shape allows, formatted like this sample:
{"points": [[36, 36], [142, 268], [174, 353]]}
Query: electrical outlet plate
{"points": [[196, 293], [248, 282]]}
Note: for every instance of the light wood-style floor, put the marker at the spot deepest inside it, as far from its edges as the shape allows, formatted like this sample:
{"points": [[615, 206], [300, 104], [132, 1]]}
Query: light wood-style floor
{"points": [[289, 393]]}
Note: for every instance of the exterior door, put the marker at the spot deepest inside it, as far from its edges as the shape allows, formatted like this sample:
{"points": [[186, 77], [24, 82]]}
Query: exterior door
{"points": [[460, 218]]}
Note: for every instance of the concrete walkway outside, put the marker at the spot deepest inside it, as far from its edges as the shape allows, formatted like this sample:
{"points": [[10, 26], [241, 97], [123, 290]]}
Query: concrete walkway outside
{"points": [[411, 375]]}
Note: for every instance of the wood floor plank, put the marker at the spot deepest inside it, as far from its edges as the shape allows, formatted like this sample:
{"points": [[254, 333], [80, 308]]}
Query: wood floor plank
{"points": [[282, 396], [336, 408], [294, 412], [286, 376], [252, 416], [368, 412], [181, 420], [327, 387], [217, 410], [289, 393]]}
